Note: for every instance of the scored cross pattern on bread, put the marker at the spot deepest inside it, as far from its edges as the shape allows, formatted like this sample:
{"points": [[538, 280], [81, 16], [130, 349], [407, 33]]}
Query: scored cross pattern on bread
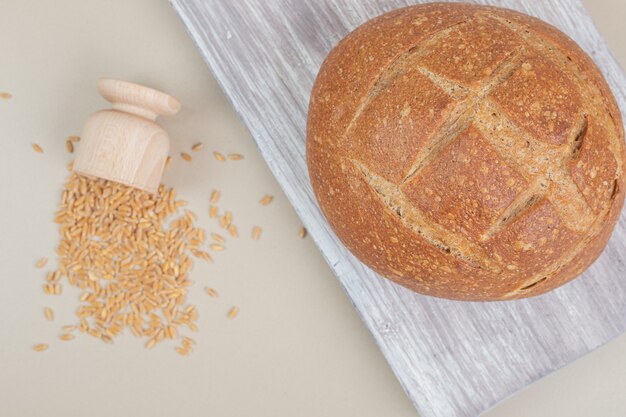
{"points": [[510, 161]]}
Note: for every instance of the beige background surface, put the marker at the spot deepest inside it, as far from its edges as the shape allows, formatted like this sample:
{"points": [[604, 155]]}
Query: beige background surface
{"points": [[297, 347]]}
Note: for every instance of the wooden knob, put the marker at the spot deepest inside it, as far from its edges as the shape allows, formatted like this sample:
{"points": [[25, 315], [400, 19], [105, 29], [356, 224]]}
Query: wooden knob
{"points": [[137, 99], [125, 144]]}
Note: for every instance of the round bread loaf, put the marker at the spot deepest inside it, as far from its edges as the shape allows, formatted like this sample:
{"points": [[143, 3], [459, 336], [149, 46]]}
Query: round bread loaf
{"points": [[466, 152]]}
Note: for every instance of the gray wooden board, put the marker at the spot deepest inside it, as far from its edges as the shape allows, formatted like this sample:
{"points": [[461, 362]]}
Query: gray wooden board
{"points": [[452, 358]]}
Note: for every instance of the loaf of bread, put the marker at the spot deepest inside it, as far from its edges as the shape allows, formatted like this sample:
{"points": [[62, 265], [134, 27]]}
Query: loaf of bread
{"points": [[466, 152]]}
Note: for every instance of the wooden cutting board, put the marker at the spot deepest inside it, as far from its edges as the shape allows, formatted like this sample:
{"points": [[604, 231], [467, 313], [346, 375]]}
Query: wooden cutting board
{"points": [[452, 358]]}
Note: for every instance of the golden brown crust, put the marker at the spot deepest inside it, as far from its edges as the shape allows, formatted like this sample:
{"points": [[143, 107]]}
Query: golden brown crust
{"points": [[466, 152]]}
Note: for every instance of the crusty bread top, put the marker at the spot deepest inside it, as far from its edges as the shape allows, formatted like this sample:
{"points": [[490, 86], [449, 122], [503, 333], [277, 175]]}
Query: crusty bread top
{"points": [[466, 151]]}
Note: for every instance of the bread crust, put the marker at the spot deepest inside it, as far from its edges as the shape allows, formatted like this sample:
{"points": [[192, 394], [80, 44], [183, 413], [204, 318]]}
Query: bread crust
{"points": [[466, 152]]}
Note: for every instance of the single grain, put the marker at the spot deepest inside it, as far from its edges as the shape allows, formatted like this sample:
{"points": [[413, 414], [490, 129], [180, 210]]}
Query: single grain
{"points": [[218, 238], [266, 200], [216, 247], [256, 232], [233, 312]]}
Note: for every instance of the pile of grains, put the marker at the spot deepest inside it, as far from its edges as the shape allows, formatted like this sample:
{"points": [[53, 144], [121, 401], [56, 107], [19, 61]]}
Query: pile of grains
{"points": [[130, 260], [130, 256]]}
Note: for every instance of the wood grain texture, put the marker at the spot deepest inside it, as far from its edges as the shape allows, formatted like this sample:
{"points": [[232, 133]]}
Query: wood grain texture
{"points": [[452, 358]]}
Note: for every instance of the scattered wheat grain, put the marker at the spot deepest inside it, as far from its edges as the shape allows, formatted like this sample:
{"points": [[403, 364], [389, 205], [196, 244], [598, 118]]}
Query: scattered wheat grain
{"points": [[266, 200], [211, 292], [256, 232], [205, 255], [4, 95], [233, 312], [219, 156], [66, 336], [215, 196], [225, 220], [40, 347], [216, 247], [168, 162], [302, 233], [218, 238], [232, 230], [41, 262], [235, 156], [69, 145], [186, 156], [37, 148], [198, 146]]}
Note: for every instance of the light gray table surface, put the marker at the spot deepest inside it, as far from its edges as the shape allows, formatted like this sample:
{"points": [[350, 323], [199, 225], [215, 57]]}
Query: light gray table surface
{"points": [[298, 346]]}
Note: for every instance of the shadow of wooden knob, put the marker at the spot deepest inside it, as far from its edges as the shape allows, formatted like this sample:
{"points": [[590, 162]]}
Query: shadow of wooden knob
{"points": [[124, 144]]}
